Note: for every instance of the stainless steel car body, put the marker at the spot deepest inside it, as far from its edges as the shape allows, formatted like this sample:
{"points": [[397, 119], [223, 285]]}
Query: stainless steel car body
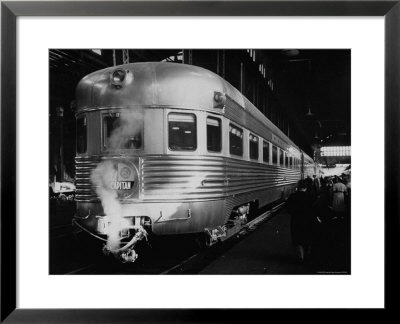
{"points": [[180, 191]]}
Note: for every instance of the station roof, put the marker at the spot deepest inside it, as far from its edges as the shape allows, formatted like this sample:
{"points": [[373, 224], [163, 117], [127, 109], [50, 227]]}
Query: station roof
{"points": [[311, 85]]}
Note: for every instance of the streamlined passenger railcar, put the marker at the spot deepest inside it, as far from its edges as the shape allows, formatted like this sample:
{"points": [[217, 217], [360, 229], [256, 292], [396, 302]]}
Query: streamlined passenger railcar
{"points": [[167, 148]]}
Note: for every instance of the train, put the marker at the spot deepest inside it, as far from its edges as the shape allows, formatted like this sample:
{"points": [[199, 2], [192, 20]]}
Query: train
{"points": [[169, 149]]}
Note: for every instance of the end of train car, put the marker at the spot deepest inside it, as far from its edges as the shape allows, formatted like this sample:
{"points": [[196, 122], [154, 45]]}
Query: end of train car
{"points": [[165, 148]]}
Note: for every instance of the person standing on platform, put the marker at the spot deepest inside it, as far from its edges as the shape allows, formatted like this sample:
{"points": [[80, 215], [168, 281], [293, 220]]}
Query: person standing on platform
{"points": [[348, 188], [339, 191], [302, 220], [347, 213], [308, 182], [322, 211], [348, 184], [316, 184]]}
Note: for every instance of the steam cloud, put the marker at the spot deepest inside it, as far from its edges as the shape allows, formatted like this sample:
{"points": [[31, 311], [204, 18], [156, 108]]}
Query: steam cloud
{"points": [[102, 177], [125, 135]]}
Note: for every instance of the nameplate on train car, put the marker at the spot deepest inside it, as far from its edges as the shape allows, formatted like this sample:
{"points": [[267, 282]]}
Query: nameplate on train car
{"points": [[122, 185]]}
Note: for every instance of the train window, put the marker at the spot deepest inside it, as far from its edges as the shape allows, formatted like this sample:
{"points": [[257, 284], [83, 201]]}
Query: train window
{"points": [[182, 132], [281, 157], [214, 134], [81, 135], [253, 145], [235, 140], [122, 131], [265, 151], [287, 160], [274, 154]]}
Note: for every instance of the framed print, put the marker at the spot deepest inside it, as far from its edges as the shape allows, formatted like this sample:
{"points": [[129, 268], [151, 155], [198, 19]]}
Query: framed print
{"points": [[354, 46]]}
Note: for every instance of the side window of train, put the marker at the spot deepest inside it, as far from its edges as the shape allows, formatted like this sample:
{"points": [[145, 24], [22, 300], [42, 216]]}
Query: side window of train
{"points": [[274, 155], [265, 152], [287, 160], [214, 134], [253, 145], [281, 158], [235, 140], [81, 135], [182, 132], [122, 131]]}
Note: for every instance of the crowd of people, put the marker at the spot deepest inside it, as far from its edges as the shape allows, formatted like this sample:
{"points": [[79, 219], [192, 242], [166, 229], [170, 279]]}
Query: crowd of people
{"points": [[320, 212]]}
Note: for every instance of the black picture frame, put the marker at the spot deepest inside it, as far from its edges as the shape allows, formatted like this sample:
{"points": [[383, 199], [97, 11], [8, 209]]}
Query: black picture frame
{"points": [[10, 10]]}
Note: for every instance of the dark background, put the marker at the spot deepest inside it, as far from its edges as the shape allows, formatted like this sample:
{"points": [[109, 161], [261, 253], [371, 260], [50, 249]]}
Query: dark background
{"points": [[306, 93]]}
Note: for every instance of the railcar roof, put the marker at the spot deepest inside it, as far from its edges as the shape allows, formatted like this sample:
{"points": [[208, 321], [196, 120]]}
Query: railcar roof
{"points": [[163, 84]]}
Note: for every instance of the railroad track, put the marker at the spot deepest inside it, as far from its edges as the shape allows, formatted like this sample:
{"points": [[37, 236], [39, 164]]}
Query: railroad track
{"points": [[165, 260]]}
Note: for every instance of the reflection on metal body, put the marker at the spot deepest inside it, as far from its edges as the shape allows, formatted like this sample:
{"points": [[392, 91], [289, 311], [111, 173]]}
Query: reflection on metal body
{"points": [[194, 179], [185, 191]]}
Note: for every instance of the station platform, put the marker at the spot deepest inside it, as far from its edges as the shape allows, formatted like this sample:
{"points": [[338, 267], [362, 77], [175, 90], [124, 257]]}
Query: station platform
{"points": [[269, 250]]}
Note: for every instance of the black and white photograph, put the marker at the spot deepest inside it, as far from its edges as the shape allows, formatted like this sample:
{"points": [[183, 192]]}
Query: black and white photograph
{"points": [[171, 161], [200, 161]]}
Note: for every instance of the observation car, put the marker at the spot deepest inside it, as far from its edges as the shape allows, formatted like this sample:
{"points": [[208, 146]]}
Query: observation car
{"points": [[167, 148]]}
